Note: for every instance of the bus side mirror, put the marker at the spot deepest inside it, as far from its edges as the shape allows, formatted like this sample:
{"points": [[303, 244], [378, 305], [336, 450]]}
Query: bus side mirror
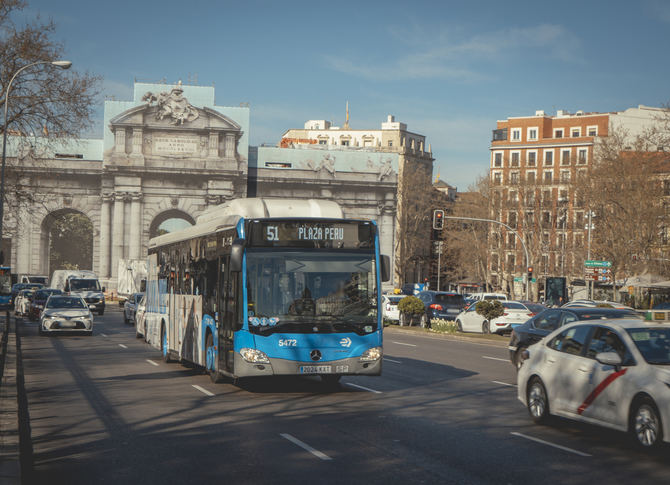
{"points": [[386, 267], [236, 252]]}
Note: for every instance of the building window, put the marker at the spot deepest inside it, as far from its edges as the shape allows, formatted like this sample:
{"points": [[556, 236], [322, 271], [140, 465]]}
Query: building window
{"points": [[545, 263], [546, 197], [532, 156], [558, 133], [565, 157], [579, 220], [548, 176], [500, 135], [530, 198], [563, 196], [516, 134], [549, 158], [592, 130], [513, 196], [511, 219], [497, 178], [530, 216], [515, 159], [390, 143], [511, 262], [494, 262], [345, 143], [511, 240], [581, 174], [514, 178], [575, 132], [530, 177], [546, 218], [565, 176], [532, 134], [497, 159], [581, 156], [323, 142]]}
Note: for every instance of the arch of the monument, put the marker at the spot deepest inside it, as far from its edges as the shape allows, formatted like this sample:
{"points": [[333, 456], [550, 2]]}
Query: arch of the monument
{"points": [[168, 215], [77, 229]]}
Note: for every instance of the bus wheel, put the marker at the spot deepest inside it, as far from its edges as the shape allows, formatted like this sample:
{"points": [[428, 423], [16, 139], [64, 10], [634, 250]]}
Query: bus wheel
{"points": [[164, 347], [210, 360]]}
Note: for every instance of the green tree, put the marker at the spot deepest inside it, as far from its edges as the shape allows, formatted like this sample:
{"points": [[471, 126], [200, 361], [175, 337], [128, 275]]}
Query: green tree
{"points": [[71, 242], [490, 309]]}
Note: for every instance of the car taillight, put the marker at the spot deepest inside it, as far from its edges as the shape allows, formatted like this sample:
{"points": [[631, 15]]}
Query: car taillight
{"points": [[435, 306], [505, 314], [532, 314], [388, 307]]}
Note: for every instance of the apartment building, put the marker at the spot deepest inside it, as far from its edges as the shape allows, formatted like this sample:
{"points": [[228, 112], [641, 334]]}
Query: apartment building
{"points": [[534, 166]]}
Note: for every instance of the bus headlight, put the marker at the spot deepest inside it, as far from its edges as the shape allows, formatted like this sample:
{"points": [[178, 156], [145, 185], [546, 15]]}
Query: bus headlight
{"points": [[254, 356], [371, 355]]}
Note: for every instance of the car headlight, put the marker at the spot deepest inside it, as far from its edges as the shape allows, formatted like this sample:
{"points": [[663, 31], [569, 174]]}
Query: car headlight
{"points": [[371, 355], [254, 356]]}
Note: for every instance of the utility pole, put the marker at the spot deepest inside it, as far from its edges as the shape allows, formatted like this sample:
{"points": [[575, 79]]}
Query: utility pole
{"points": [[439, 257]]}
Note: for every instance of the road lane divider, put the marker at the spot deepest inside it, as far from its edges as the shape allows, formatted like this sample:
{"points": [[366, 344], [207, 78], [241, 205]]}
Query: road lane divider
{"points": [[391, 360], [203, 390], [152, 362], [363, 388], [494, 358], [402, 343], [504, 383], [123, 346], [104, 335], [548, 443], [305, 446]]}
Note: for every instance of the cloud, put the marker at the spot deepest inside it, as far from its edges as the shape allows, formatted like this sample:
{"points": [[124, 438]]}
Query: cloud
{"points": [[466, 60]]}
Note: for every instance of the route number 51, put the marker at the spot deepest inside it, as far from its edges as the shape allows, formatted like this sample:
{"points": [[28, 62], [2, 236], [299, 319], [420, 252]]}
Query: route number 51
{"points": [[272, 233]]}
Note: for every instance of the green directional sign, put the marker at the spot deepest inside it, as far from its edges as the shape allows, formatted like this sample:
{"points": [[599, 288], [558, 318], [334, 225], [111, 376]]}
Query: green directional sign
{"points": [[518, 278], [591, 263]]}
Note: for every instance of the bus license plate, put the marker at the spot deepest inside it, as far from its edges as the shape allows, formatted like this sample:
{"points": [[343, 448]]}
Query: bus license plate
{"points": [[316, 369]]}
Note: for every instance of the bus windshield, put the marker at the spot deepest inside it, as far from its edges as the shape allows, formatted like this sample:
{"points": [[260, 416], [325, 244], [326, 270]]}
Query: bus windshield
{"points": [[5, 284], [311, 291]]}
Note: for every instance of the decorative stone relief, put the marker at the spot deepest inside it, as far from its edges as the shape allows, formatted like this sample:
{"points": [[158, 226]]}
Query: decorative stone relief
{"points": [[172, 105]]}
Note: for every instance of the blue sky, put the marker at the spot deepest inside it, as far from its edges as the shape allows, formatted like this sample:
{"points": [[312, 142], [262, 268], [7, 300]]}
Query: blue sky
{"points": [[447, 69]]}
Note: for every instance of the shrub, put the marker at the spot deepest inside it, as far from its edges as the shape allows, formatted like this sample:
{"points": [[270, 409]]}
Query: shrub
{"points": [[411, 305], [490, 309]]}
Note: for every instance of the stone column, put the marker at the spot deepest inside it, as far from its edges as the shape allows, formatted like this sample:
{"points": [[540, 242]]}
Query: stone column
{"points": [[213, 145], [136, 148], [24, 223], [135, 225], [229, 146], [120, 141], [387, 212], [105, 234], [117, 232]]}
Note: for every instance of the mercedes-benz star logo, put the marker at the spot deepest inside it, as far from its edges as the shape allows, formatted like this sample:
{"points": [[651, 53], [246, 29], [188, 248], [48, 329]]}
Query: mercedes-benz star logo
{"points": [[315, 355]]}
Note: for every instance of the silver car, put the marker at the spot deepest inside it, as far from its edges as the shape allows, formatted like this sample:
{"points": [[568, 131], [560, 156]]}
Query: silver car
{"points": [[66, 313], [130, 307]]}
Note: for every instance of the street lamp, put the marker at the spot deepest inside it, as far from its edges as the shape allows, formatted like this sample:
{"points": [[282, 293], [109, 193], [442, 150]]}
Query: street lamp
{"points": [[62, 65]]}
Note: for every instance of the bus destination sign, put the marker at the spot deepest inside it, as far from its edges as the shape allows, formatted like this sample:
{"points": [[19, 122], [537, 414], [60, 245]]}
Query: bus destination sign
{"points": [[321, 234]]}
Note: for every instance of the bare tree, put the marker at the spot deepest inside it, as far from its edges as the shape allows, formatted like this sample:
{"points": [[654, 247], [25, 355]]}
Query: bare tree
{"points": [[625, 190]]}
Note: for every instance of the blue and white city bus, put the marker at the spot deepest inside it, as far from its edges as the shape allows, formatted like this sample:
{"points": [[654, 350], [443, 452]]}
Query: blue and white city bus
{"points": [[261, 287], [5, 288]]}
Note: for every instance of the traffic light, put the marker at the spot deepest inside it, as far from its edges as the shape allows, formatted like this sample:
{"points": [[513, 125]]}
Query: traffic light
{"points": [[530, 273], [438, 219]]}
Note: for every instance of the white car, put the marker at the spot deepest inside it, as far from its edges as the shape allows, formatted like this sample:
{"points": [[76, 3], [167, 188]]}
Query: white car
{"points": [[613, 373], [515, 313], [66, 313], [390, 310], [22, 302], [140, 323], [130, 307]]}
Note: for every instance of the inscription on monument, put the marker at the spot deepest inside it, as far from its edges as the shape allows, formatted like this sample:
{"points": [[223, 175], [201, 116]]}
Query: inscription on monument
{"points": [[174, 145]]}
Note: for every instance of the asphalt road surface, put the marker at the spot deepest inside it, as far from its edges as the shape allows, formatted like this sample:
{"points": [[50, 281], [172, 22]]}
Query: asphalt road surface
{"points": [[106, 409]]}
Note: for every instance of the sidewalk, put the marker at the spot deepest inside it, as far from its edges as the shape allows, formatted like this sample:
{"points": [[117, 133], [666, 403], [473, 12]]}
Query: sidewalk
{"points": [[10, 466]]}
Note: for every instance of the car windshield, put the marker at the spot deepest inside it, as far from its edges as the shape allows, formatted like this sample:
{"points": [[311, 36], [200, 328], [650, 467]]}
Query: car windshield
{"points": [[84, 285], [311, 291], [44, 294], [653, 344], [65, 302]]}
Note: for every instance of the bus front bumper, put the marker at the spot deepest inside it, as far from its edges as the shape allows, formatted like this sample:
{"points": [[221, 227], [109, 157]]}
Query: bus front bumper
{"points": [[350, 366]]}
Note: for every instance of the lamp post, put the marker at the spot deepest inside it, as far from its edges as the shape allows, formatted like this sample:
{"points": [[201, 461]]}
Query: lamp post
{"points": [[62, 65]]}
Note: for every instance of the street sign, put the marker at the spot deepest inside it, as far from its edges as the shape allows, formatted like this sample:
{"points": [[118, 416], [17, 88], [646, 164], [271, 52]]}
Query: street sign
{"points": [[518, 279], [592, 263]]}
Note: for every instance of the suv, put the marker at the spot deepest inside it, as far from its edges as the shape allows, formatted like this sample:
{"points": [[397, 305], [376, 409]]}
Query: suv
{"points": [[550, 319], [440, 304]]}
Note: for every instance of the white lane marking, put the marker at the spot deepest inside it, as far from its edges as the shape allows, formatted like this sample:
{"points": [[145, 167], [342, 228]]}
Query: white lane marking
{"points": [[564, 448], [504, 383], [494, 358], [401, 343], [204, 391], [152, 362], [123, 346], [364, 388], [103, 334], [305, 446], [391, 360]]}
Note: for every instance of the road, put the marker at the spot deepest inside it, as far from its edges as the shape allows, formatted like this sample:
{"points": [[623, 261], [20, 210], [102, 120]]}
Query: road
{"points": [[107, 409]]}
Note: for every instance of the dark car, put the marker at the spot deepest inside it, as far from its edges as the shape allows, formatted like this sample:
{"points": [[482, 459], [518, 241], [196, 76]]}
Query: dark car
{"points": [[22, 286], [40, 297], [542, 324], [440, 304]]}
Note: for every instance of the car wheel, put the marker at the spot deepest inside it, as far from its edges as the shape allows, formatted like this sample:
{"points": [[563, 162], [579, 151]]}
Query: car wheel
{"points": [[517, 357], [459, 325], [536, 399], [485, 327], [214, 375], [425, 321], [137, 331], [645, 423]]}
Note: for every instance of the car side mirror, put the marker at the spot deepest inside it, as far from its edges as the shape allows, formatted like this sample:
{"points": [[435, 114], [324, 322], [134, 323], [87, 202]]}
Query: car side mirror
{"points": [[609, 358], [236, 253]]}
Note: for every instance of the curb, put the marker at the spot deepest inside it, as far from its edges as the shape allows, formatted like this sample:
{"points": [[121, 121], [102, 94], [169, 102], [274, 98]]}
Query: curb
{"points": [[10, 464], [448, 336]]}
